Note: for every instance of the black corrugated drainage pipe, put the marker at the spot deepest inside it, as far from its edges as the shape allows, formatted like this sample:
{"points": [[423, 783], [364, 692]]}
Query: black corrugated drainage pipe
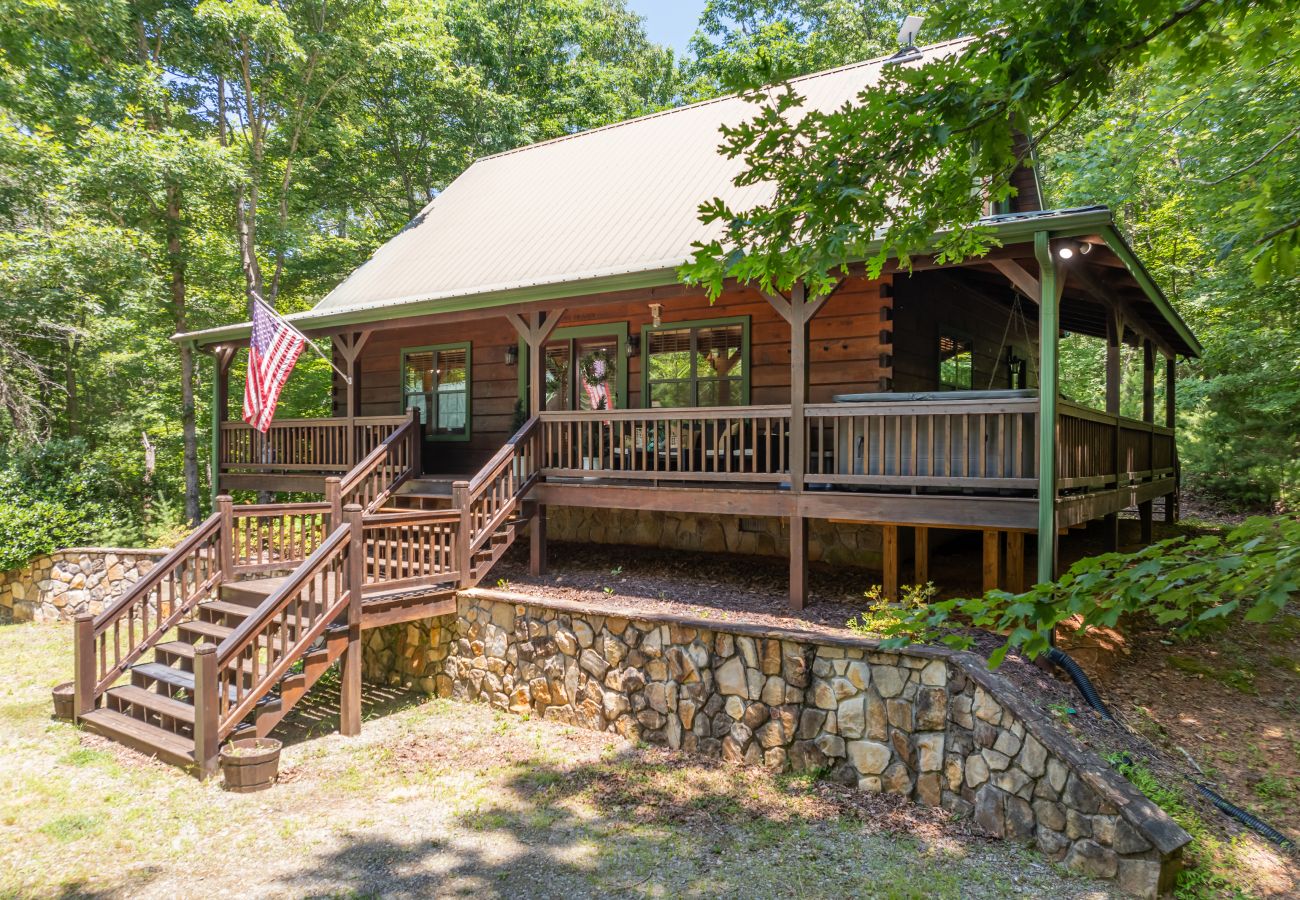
{"points": [[1082, 682]]}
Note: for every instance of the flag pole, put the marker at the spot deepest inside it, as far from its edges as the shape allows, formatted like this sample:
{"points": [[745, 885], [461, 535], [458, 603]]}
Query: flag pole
{"points": [[306, 340]]}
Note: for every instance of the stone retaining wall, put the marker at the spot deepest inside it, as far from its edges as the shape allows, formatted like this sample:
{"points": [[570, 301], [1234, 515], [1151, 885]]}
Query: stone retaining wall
{"points": [[927, 723], [841, 543], [65, 583]]}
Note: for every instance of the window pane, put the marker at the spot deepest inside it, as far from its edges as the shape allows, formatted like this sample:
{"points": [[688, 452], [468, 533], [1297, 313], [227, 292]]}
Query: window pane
{"points": [[670, 393], [558, 391], [453, 392], [955, 362], [719, 352], [420, 402], [669, 353], [419, 372], [721, 392], [597, 373]]}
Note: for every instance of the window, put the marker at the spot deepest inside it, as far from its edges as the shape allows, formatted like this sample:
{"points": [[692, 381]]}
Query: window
{"points": [[586, 367], [436, 381], [956, 353], [697, 364]]}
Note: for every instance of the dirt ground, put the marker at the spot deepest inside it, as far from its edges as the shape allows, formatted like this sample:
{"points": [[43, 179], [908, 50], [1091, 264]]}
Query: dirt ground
{"points": [[1231, 701], [443, 799]]}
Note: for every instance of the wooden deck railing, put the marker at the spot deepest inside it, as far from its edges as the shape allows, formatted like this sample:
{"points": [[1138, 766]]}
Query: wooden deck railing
{"points": [[960, 444], [411, 549], [271, 537], [304, 446], [934, 443], [372, 481], [110, 642], [740, 443]]}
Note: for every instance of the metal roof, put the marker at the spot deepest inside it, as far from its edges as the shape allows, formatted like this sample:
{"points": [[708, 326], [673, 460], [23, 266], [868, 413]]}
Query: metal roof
{"points": [[607, 209]]}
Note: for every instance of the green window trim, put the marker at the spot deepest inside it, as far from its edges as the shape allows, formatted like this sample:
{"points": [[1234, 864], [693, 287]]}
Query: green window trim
{"points": [[647, 330], [618, 330], [429, 435]]}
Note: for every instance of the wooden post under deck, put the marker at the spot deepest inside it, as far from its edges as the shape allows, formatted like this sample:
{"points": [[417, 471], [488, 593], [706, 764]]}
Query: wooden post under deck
{"points": [[1015, 578], [350, 686], [921, 555], [992, 559], [798, 562], [1148, 415], [889, 553]]}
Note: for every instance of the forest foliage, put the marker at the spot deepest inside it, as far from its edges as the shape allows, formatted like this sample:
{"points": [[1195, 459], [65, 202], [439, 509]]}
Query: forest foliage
{"points": [[162, 159]]}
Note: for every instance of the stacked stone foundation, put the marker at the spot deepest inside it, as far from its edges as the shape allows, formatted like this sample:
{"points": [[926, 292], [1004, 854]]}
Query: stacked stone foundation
{"points": [[930, 724], [66, 583]]}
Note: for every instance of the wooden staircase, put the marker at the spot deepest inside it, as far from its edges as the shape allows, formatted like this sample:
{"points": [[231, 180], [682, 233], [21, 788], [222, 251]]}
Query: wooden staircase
{"points": [[218, 642]]}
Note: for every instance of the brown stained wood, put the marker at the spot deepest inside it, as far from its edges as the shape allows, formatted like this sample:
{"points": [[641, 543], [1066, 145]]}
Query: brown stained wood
{"points": [[798, 562], [537, 541], [921, 555], [1015, 577], [992, 554], [889, 557]]}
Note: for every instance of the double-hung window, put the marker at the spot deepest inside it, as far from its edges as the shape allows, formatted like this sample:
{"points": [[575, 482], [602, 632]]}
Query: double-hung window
{"points": [[697, 364], [436, 381]]}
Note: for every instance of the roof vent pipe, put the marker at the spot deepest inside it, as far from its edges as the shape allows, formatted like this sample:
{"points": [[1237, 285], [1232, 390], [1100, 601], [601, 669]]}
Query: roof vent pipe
{"points": [[907, 39]]}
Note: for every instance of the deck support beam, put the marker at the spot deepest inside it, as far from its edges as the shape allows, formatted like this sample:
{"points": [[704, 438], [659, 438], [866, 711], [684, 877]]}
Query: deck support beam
{"points": [[1052, 283]]}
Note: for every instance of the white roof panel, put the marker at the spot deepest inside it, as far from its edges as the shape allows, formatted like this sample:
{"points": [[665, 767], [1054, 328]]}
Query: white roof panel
{"points": [[614, 200]]}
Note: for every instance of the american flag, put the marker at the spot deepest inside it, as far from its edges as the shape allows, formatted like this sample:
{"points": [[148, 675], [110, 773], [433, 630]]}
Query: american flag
{"points": [[272, 351]]}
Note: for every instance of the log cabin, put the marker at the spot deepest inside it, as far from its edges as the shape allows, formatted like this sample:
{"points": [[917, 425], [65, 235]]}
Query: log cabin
{"points": [[523, 359]]}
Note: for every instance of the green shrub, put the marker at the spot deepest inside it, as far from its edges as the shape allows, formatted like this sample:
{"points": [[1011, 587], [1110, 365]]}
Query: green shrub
{"points": [[1188, 584]]}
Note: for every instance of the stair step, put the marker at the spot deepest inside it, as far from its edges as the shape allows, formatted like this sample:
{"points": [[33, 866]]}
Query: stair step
{"points": [[168, 707], [182, 650], [251, 592], [148, 739], [210, 631], [175, 678], [229, 610]]}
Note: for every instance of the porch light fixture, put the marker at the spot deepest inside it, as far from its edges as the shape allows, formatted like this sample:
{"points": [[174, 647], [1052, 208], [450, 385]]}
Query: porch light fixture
{"points": [[1065, 251], [634, 343], [512, 355]]}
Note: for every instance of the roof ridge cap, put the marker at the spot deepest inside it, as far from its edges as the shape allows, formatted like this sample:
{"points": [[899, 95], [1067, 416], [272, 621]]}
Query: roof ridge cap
{"points": [[609, 126]]}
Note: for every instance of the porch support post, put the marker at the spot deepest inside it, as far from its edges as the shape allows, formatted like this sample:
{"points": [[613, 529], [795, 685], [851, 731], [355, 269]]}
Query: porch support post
{"points": [[992, 559], [347, 348], [1114, 350], [221, 358], [1148, 415], [535, 329], [798, 311], [1171, 417], [350, 687], [1052, 283], [1015, 577]]}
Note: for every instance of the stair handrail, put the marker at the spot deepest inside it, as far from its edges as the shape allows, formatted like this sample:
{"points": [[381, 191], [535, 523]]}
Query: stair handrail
{"points": [[500, 483], [285, 637], [194, 569], [401, 448]]}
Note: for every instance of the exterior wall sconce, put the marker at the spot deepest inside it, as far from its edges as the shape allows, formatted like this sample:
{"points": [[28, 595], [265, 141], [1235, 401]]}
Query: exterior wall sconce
{"points": [[512, 355], [656, 311], [634, 344]]}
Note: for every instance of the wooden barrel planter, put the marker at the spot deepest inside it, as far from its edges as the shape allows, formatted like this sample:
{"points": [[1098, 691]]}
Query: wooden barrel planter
{"points": [[250, 764], [64, 705]]}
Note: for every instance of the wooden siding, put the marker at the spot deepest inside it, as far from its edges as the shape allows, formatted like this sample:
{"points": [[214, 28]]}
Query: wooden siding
{"points": [[844, 356]]}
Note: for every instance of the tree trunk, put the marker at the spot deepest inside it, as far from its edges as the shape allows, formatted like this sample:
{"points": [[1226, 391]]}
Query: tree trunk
{"points": [[176, 266]]}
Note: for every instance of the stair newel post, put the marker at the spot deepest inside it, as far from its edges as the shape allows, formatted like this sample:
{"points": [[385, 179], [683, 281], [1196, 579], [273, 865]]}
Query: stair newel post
{"points": [[417, 444], [226, 538], [207, 709], [83, 691], [464, 555], [350, 689], [334, 497]]}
